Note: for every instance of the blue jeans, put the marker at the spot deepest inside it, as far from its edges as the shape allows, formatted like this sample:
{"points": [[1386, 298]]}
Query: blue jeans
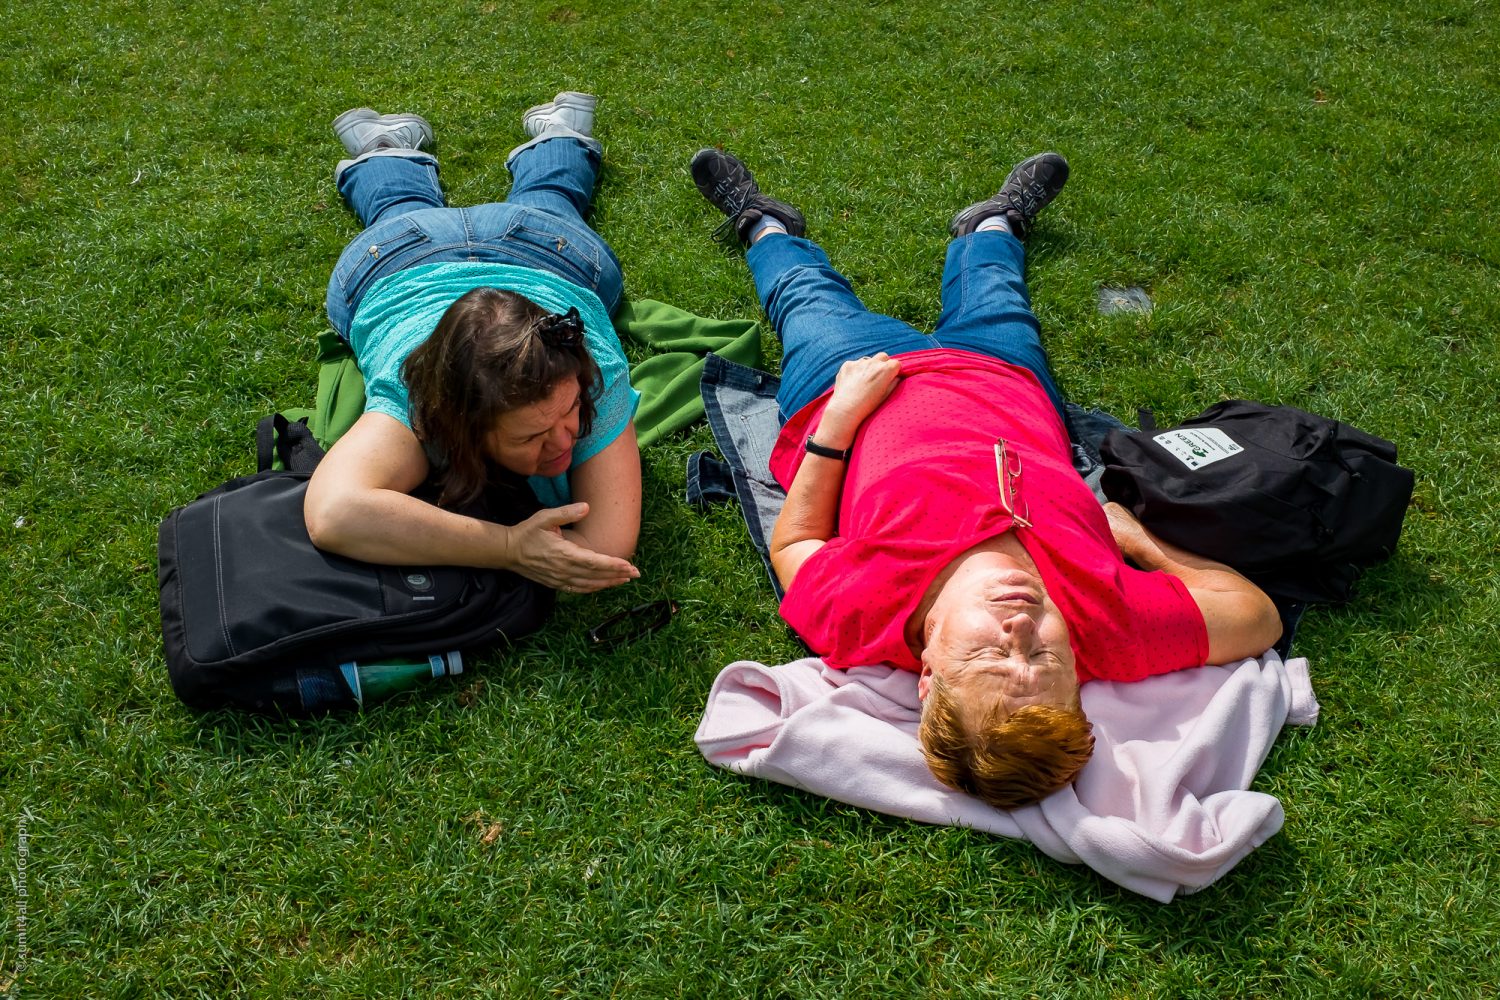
{"points": [[822, 323], [540, 224]]}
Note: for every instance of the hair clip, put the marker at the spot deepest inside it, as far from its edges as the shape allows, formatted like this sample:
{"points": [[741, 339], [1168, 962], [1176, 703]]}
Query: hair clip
{"points": [[564, 331]]}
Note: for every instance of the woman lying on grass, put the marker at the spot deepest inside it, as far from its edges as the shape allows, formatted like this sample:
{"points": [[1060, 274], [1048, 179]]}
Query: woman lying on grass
{"points": [[485, 341], [933, 520]]}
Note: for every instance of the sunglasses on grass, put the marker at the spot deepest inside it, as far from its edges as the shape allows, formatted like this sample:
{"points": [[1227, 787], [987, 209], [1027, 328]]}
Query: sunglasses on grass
{"points": [[632, 623]]}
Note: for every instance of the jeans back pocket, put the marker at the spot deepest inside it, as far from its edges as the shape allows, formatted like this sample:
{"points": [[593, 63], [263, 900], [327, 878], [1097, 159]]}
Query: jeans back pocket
{"points": [[548, 243]]}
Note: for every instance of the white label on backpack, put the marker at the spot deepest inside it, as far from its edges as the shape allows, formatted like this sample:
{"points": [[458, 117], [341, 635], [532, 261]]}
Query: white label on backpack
{"points": [[1196, 447]]}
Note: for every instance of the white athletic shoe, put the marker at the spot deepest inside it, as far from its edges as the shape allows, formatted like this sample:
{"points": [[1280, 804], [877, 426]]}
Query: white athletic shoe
{"points": [[570, 113], [363, 130]]}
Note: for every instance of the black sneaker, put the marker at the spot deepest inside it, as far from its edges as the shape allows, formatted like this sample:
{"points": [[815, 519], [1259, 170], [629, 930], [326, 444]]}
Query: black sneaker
{"points": [[1033, 183], [727, 183]]}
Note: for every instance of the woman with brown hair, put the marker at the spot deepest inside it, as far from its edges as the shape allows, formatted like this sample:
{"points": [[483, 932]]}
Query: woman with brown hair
{"points": [[485, 341]]}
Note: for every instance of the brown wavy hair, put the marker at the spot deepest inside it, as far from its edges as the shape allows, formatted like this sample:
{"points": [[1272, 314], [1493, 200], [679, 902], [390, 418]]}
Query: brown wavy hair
{"points": [[1010, 760], [493, 351]]}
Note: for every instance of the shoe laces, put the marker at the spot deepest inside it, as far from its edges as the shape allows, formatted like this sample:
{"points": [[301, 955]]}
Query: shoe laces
{"points": [[727, 231], [735, 199]]}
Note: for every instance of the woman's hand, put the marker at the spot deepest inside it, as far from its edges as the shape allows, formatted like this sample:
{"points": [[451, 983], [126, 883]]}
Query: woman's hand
{"points": [[861, 386], [809, 516], [538, 551]]}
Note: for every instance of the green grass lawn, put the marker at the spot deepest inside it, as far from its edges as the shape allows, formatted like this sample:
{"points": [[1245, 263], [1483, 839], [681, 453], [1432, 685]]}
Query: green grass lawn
{"points": [[1307, 191]]}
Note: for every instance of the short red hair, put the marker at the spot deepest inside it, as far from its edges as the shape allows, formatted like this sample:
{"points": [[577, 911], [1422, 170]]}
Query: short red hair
{"points": [[1009, 760]]}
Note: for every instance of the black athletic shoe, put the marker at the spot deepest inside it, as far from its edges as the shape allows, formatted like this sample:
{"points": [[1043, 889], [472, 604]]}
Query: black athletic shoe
{"points": [[1033, 183], [727, 183]]}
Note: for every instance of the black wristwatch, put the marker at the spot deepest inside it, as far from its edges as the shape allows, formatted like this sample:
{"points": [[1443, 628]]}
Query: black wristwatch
{"points": [[813, 448]]}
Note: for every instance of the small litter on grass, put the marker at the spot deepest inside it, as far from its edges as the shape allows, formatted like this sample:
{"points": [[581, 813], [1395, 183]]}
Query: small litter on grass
{"points": [[469, 696], [1123, 300], [19, 522], [489, 831]]}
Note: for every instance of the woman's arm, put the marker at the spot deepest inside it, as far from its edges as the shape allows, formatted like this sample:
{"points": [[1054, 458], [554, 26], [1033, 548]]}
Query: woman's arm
{"points": [[808, 517], [358, 505], [610, 483], [1241, 620]]}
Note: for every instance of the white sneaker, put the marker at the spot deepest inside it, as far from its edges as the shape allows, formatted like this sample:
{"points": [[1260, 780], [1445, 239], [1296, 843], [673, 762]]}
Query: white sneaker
{"points": [[568, 112], [363, 130]]}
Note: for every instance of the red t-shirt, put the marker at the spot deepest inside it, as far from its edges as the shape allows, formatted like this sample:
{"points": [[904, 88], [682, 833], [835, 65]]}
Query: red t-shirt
{"points": [[922, 488]]}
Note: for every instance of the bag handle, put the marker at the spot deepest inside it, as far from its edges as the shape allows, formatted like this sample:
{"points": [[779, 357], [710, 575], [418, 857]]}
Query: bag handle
{"points": [[291, 443]]}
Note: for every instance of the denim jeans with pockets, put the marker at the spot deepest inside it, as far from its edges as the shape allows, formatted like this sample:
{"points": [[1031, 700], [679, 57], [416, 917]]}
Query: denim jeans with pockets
{"points": [[540, 224]]}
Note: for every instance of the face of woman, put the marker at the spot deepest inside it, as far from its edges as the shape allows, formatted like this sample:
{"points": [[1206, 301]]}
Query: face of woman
{"points": [[537, 440], [1005, 642]]}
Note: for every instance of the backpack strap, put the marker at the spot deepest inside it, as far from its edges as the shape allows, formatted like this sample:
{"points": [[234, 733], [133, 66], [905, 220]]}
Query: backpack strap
{"points": [[287, 444], [265, 443]]}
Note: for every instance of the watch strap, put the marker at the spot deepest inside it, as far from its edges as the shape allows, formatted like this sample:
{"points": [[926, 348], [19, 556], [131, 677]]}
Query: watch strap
{"points": [[813, 448]]}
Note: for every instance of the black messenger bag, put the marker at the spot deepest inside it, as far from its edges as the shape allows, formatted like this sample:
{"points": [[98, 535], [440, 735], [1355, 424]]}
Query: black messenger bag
{"points": [[254, 616], [1297, 502]]}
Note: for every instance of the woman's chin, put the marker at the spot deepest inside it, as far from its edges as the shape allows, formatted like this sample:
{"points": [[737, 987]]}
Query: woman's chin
{"points": [[554, 468]]}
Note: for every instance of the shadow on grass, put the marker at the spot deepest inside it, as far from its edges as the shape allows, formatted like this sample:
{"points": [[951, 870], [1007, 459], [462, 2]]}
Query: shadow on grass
{"points": [[1270, 872], [1405, 591]]}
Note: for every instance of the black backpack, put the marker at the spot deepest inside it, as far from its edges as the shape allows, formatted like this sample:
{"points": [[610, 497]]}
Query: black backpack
{"points": [[255, 617], [1297, 502]]}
